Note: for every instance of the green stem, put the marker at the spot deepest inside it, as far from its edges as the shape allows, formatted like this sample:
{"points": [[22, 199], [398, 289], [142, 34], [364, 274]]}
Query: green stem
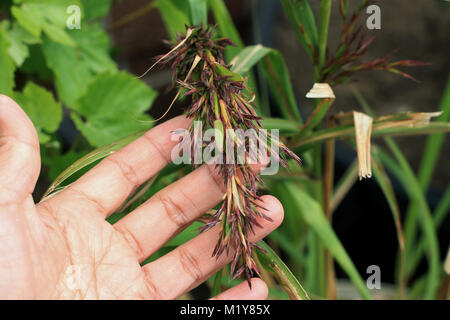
{"points": [[324, 21], [428, 164], [133, 16], [424, 215]]}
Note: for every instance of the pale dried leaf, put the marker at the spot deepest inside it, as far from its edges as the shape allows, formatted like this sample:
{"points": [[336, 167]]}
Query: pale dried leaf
{"points": [[363, 132], [321, 90], [447, 262]]}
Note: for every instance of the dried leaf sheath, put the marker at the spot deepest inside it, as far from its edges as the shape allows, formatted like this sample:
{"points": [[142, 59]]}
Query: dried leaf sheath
{"points": [[222, 100]]}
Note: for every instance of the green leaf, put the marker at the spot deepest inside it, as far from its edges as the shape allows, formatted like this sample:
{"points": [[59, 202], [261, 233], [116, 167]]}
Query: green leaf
{"points": [[226, 26], [96, 9], [302, 18], [113, 107], [277, 76], [272, 263], [87, 160], [58, 163], [324, 21], [199, 12], [312, 213], [40, 105], [94, 47], [411, 184], [7, 67], [286, 127], [174, 18], [248, 57], [50, 17], [18, 38], [72, 75]]}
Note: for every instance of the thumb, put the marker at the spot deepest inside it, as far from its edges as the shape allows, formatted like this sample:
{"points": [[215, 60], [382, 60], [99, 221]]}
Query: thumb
{"points": [[19, 153]]}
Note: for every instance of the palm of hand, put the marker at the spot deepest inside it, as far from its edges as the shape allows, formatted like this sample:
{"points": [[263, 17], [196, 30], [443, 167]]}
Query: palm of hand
{"points": [[63, 248]]}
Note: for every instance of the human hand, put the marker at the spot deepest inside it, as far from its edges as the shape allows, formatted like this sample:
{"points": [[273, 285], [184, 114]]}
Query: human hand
{"points": [[43, 244]]}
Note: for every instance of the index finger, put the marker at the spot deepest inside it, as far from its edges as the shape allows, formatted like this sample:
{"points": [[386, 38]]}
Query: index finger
{"points": [[110, 182]]}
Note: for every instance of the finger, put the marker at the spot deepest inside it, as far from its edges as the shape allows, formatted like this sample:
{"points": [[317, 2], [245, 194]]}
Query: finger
{"points": [[110, 182], [19, 153], [191, 263], [242, 291], [170, 210]]}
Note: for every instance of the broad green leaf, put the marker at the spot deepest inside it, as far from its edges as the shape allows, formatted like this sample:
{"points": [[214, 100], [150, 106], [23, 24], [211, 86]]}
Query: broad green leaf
{"points": [[7, 67], [96, 9], [113, 107], [313, 215], [40, 105], [18, 38], [50, 17], [174, 18], [72, 75], [93, 44], [199, 11], [35, 64]]}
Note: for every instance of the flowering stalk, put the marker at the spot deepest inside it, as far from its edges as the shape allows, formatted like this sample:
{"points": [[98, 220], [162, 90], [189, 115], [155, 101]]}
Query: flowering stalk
{"points": [[222, 100]]}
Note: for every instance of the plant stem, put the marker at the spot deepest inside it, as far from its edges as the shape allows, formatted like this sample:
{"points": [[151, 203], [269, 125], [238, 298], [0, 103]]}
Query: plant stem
{"points": [[133, 16], [324, 21]]}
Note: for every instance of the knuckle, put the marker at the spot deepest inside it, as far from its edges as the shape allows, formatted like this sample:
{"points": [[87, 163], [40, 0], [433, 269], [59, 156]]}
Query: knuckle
{"points": [[126, 170], [190, 264], [156, 146], [131, 240], [152, 289], [173, 211]]}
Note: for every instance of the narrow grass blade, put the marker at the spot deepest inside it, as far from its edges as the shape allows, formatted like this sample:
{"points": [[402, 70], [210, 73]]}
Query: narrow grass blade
{"points": [[324, 21], [174, 19], [314, 216], [272, 263], [248, 57], [344, 131], [412, 186], [344, 185], [386, 186], [303, 21], [226, 26], [199, 12], [88, 159], [427, 167], [277, 75], [439, 215], [217, 284], [286, 127]]}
